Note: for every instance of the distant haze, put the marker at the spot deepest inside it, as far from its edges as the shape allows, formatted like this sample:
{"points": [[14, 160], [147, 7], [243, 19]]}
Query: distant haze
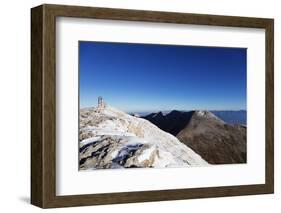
{"points": [[150, 77]]}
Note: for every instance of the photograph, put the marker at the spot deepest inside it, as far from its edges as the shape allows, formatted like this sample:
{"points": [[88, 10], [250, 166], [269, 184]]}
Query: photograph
{"points": [[161, 105], [136, 105]]}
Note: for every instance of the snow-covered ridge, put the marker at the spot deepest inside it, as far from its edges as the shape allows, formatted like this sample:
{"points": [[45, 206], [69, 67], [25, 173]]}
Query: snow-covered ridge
{"points": [[110, 138], [207, 114]]}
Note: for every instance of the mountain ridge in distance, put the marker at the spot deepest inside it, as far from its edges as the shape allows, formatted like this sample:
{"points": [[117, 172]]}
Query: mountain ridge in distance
{"points": [[229, 116]]}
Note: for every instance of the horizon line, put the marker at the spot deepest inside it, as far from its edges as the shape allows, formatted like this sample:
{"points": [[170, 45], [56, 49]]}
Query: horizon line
{"points": [[165, 110]]}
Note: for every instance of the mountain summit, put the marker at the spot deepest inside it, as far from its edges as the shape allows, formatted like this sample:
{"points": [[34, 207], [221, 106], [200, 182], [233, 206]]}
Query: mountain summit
{"points": [[110, 138], [213, 139]]}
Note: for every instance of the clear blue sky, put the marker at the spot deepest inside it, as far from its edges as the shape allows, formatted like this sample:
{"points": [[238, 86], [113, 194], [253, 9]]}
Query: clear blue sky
{"points": [[149, 77]]}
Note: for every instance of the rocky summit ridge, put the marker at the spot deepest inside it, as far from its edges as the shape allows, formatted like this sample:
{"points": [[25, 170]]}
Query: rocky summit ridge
{"points": [[110, 138]]}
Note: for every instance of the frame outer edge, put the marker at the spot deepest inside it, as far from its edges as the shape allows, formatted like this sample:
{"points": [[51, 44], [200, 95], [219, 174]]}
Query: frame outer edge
{"points": [[270, 106], [156, 16], [36, 106]]}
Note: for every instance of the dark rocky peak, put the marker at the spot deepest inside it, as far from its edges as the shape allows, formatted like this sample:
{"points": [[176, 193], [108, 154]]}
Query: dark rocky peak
{"points": [[158, 114], [173, 122]]}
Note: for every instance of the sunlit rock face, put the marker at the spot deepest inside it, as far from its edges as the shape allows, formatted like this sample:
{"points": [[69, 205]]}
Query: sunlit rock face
{"points": [[216, 141]]}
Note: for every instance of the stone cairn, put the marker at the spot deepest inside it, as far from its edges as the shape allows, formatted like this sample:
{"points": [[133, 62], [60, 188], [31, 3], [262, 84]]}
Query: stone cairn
{"points": [[101, 104]]}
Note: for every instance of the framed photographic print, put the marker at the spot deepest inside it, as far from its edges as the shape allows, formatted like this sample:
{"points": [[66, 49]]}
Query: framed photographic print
{"points": [[136, 106]]}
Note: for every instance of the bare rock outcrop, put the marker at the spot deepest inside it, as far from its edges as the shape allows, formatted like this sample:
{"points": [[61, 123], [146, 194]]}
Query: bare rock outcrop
{"points": [[110, 138]]}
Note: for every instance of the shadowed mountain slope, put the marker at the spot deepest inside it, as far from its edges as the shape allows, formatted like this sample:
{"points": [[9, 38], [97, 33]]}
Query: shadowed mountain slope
{"points": [[213, 139], [173, 122]]}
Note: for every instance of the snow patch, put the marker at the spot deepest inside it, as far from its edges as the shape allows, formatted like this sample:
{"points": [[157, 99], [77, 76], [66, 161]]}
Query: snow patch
{"points": [[146, 153], [89, 140]]}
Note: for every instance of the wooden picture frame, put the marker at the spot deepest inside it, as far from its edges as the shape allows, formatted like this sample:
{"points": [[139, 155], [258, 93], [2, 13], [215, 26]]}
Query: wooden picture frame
{"points": [[43, 105]]}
